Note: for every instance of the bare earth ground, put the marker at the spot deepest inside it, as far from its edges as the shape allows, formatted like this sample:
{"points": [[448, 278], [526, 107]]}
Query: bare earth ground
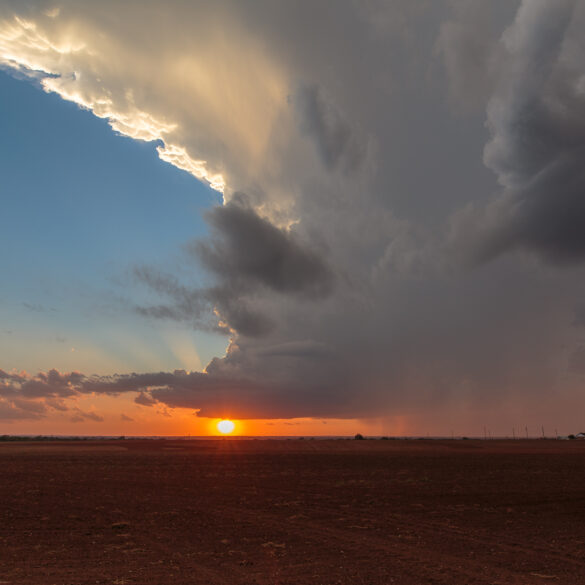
{"points": [[292, 512]]}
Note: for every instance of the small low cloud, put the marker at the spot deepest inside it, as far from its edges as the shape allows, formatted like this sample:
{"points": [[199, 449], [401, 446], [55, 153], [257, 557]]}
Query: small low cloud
{"points": [[12, 411], [16, 407], [83, 416], [145, 399], [58, 404], [51, 384]]}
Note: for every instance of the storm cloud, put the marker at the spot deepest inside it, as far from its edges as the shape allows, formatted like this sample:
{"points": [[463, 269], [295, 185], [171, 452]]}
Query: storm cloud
{"points": [[537, 143], [401, 228], [248, 255], [247, 250]]}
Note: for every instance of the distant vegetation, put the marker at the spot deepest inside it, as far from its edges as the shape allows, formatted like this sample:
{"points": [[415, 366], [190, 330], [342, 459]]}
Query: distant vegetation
{"points": [[37, 438]]}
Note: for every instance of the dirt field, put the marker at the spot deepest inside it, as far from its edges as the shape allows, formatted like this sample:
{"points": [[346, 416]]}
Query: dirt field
{"points": [[292, 512]]}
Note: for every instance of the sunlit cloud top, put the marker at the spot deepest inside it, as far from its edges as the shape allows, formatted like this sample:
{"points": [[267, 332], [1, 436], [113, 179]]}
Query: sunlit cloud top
{"points": [[202, 102]]}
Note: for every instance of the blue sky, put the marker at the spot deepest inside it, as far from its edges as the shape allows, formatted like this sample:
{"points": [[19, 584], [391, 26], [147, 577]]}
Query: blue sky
{"points": [[82, 206]]}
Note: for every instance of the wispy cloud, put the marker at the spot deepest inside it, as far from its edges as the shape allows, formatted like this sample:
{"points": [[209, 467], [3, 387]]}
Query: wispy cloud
{"points": [[38, 308]]}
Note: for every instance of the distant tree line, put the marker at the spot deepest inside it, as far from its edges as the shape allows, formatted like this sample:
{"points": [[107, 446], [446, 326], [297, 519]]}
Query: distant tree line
{"points": [[17, 438]]}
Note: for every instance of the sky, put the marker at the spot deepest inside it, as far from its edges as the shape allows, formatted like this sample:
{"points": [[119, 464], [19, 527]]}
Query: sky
{"points": [[350, 216]]}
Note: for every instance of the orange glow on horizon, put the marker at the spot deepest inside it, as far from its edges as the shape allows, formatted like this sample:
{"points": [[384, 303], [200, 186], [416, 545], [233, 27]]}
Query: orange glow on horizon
{"points": [[104, 415]]}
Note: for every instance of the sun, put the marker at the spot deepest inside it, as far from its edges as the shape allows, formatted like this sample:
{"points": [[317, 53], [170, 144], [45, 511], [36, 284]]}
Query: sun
{"points": [[225, 426]]}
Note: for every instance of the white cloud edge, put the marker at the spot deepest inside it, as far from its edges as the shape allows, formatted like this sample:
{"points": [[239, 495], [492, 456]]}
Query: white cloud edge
{"points": [[136, 123]]}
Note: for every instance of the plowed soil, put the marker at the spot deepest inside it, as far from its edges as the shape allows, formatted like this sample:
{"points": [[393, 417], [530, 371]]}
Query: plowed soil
{"points": [[292, 512]]}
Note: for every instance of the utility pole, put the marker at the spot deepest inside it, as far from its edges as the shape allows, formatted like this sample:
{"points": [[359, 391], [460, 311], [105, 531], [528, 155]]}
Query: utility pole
{"points": [[543, 431], [527, 432], [514, 433]]}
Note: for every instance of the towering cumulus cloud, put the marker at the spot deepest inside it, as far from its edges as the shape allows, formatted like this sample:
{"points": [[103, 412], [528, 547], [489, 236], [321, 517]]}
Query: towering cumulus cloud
{"points": [[537, 142], [397, 178]]}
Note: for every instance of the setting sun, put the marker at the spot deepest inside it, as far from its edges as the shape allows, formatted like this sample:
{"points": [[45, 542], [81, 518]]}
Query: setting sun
{"points": [[225, 426]]}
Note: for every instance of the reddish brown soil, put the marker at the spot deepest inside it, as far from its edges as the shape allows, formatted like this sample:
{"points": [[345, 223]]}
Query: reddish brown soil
{"points": [[292, 512]]}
